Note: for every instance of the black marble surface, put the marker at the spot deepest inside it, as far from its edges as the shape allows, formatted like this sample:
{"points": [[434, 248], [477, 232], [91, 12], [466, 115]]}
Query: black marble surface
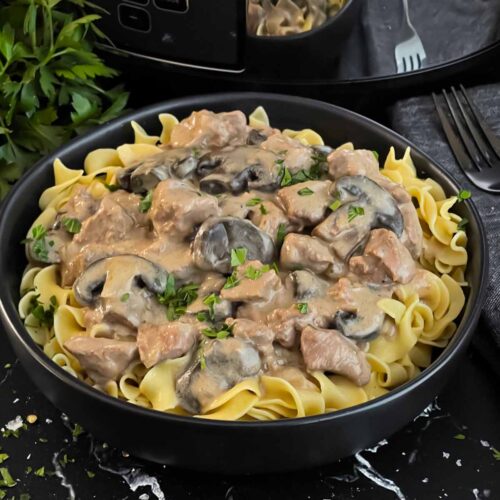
{"points": [[449, 451]]}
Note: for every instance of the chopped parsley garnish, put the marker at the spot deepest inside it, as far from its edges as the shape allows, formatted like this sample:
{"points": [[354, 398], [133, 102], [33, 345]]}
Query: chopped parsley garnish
{"points": [[65, 460], [40, 472], [111, 187], [460, 437], [463, 194], [275, 268], [28, 469], [302, 307], [43, 440], [286, 179], [238, 256], [196, 152], [125, 297], [254, 273], [375, 153], [496, 453], [263, 209], [280, 235], [222, 333], [232, 280], [45, 317], [210, 301], [305, 192], [77, 430], [24, 496], [254, 202], [39, 247], [461, 225], [73, 226], [335, 205], [90, 474], [3, 457], [318, 168], [202, 316], [7, 480], [177, 300], [145, 203], [354, 212]]}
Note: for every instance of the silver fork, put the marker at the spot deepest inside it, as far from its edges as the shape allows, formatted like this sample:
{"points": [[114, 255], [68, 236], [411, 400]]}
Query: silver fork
{"points": [[410, 53], [472, 141]]}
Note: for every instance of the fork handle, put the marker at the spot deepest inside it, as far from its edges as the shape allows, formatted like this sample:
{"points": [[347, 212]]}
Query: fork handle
{"points": [[407, 13]]}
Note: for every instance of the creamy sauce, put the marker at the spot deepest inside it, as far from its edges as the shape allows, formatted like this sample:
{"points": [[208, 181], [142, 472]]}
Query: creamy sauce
{"points": [[256, 255]]}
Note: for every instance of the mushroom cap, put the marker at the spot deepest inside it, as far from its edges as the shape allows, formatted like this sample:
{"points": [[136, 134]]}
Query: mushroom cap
{"points": [[117, 272], [357, 327], [219, 235]]}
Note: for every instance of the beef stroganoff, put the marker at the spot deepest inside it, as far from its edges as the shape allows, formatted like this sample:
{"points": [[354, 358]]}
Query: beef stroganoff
{"points": [[229, 270]]}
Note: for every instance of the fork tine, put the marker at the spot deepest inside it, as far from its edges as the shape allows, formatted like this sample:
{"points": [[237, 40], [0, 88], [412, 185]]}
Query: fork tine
{"points": [[456, 145], [399, 63], [468, 143], [474, 131], [492, 138]]}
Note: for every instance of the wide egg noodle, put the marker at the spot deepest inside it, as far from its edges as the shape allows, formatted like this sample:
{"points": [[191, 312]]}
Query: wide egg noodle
{"points": [[423, 311]]}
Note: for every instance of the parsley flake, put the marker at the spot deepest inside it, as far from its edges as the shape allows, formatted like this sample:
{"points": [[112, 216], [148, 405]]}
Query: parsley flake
{"points": [[210, 301], [462, 224], [111, 187], [3, 457], [263, 209], [90, 474], [238, 256], [177, 300], [7, 480], [223, 333], [280, 234], [232, 280], [460, 437], [145, 203], [305, 192], [354, 212], [286, 179], [254, 273], [125, 297], [77, 430], [254, 202], [73, 226], [335, 205], [302, 307], [40, 472], [463, 194], [375, 153]]}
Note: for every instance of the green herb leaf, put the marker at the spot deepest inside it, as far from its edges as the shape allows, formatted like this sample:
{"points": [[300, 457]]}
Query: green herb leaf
{"points": [[145, 203], [286, 177], [73, 226], [496, 453], [28, 469], [238, 256], [302, 307], [280, 235], [335, 205], [354, 212], [210, 301], [463, 194], [40, 472], [263, 209], [77, 430], [460, 437], [3, 457], [462, 224], [222, 333], [203, 361], [202, 316], [7, 480], [254, 273], [305, 192], [90, 474], [24, 496], [232, 280], [176, 301], [375, 153], [253, 202], [125, 297]]}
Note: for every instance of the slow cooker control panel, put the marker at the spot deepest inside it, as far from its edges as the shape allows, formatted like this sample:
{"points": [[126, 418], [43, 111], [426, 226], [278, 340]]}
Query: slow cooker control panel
{"points": [[198, 32]]}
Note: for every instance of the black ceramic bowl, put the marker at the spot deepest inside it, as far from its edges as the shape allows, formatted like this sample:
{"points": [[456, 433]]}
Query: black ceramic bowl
{"points": [[304, 54], [231, 447]]}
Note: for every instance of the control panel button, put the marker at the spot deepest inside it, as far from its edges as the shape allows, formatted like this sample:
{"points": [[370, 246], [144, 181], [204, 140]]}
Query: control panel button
{"points": [[134, 18], [173, 5]]}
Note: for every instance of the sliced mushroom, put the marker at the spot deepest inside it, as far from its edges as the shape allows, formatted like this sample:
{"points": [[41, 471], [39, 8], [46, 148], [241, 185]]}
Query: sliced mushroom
{"points": [[358, 326], [227, 362], [114, 276], [219, 235], [145, 176], [365, 206]]}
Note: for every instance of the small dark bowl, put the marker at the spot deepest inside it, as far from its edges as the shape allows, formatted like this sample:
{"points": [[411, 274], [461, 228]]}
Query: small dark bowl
{"points": [[309, 53], [231, 447]]}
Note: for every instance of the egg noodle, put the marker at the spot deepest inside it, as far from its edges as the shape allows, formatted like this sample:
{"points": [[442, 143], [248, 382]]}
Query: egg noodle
{"points": [[422, 311]]}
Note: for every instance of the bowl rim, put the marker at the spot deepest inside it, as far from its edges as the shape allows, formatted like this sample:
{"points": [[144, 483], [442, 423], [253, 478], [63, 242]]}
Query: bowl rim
{"points": [[13, 322], [305, 34]]}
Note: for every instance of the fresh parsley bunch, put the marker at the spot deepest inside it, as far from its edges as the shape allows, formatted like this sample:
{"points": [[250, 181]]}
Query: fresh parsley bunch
{"points": [[50, 80]]}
